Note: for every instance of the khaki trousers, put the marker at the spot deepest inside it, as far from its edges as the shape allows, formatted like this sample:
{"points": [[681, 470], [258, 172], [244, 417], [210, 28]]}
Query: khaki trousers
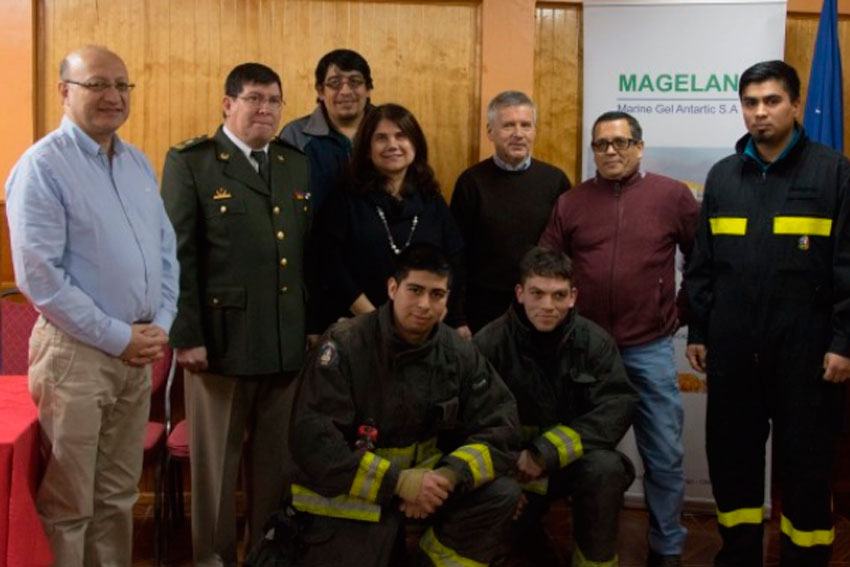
{"points": [[92, 410], [225, 414]]}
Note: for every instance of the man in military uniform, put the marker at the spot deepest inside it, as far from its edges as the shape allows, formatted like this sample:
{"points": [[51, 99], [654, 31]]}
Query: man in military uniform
{"points": [[575, 404], [240, 207], [397, 416]]}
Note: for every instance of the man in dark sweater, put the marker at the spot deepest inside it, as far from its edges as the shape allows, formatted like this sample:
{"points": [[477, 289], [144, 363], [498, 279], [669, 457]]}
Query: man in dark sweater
{"points": [[501, 206]]}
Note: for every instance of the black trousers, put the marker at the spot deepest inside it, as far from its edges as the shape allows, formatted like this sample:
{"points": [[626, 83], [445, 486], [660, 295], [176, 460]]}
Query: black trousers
{"points": [[775, 379]]}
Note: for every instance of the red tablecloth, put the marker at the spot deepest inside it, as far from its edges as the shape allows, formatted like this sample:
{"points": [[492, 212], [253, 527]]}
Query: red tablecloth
{"points": [[22, 539]]}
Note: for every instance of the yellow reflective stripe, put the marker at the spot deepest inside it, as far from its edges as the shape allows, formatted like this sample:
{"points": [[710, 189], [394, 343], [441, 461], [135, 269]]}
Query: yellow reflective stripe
{"points": [[477, 458], [539, 486], [342, 506], [430, 462], [736, 226], [442, 556], [530, 433], [370, 473], [401, 457], [806, 539], [813, 226], [567, 442], [740, 516], [424, 454], [579, 560], [426, 451]]}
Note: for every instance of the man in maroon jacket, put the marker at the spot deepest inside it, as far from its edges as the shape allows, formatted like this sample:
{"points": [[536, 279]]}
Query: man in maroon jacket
{"points": [[621, 229]]}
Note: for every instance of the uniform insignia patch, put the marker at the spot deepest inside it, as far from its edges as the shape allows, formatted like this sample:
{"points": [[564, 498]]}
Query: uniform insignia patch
{"points": [[302, 195], [803, 243], [328, 355], [221, 193]]}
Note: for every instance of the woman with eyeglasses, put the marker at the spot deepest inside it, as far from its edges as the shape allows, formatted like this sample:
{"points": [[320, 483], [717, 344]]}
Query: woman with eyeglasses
{"points": [[391, 199]]}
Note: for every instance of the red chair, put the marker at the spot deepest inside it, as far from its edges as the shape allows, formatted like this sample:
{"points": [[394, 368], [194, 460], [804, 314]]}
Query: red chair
{"points": [[155, 443], [17, 318], [176, 453]]}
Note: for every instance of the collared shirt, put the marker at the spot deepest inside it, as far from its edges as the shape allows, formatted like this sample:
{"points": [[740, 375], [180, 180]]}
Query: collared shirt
{"points": [[245, 148], [92, 245], [521, 166]]}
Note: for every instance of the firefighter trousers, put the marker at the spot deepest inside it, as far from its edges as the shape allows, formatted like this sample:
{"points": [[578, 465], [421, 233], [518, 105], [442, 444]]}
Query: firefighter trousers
{"points": [[470, 529], [595, 484]]}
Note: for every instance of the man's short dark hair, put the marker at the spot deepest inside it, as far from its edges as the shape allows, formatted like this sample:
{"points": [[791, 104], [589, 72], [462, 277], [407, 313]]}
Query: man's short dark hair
{"points": [[345, 60], [423, 257], [771, 71], [247, 73], [634, 125], [545, 263]]}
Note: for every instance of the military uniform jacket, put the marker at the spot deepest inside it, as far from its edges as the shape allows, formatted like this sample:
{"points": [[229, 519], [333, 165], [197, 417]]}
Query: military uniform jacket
{"points": [[571, 387], [240, 244], [436, 404]]}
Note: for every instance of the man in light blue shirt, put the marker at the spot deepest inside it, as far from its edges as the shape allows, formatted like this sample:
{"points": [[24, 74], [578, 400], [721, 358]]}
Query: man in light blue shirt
{"points": [[94, 251]]}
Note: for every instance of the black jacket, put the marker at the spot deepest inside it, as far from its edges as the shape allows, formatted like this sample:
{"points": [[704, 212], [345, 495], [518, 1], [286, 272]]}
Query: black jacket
{"points": [[773, 242], [571, 377], [354, 251], [430, 403]]}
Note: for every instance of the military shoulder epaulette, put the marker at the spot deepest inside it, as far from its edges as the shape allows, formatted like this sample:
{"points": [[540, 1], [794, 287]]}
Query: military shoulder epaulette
{"points": [[191, 142]]}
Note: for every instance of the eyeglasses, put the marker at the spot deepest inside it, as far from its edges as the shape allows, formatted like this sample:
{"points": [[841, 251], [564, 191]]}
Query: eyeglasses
{"points": [[620, 144], [101, 86], [258, 100], [354, 82]]}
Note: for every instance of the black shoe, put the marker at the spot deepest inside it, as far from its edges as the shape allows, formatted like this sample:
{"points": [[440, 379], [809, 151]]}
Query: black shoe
{"points": [[532, 546], [658, 560]]}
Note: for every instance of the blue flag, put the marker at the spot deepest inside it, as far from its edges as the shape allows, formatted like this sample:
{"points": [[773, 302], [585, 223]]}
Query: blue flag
{"points": [[824, 118]]}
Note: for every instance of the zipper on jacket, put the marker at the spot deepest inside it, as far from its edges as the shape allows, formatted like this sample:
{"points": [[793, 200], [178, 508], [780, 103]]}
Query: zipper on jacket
{"points": [[617, 210]]}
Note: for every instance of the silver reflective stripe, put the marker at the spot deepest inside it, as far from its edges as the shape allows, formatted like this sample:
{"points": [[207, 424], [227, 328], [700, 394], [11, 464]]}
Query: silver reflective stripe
{"points": [[341, 506], [430, 462], [563, 443], [369, 478], [480, 464]]}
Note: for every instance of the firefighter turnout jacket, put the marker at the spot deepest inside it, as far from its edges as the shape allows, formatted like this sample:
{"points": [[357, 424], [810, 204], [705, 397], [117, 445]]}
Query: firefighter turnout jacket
{"points": [[570, 384], [436, 404]]}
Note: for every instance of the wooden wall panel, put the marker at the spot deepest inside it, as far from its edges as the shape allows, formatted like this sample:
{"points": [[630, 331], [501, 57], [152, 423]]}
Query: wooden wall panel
{"points": [[558, 86], [424, 55], [800, 33]]}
